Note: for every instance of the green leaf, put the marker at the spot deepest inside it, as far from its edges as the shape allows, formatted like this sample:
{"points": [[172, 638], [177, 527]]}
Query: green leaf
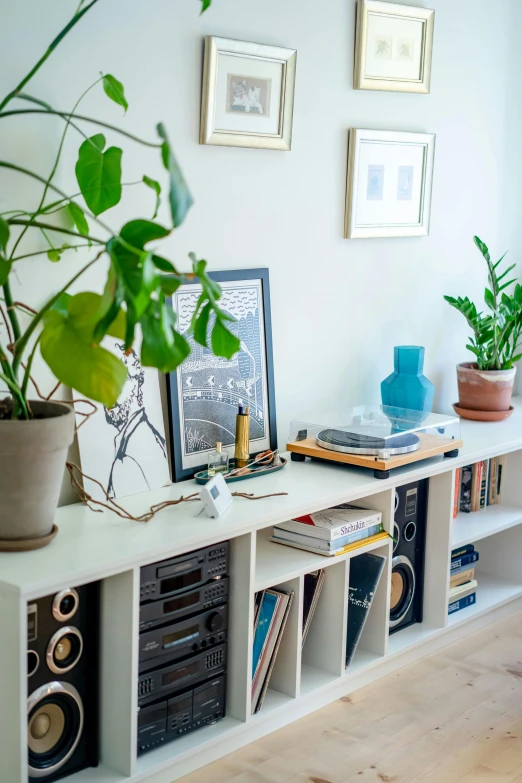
{"points": [[99, 174], [162, 346], [5, 268], [85, 311], [156, 187], [138, 232], [164, 264], [180, 199], [205, 4], [4, 234], [201, 326], [77, 361], [483, 248], [79, 219], [53, 255], [489, 299], [506, 285], [114, 90], [224, 343]]}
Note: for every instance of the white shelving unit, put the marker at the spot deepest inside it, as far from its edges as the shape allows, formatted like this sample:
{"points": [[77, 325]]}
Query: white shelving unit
{"points": [[103, 547]]}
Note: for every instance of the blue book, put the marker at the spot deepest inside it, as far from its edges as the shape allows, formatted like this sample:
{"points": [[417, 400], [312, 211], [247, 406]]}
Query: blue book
{"points": [[465, 560], [462, 603], [264, 620], [462, 550]]}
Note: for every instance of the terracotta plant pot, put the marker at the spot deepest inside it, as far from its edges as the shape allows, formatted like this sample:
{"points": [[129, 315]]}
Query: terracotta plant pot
{"points": [[484, 390], [32, 462]]}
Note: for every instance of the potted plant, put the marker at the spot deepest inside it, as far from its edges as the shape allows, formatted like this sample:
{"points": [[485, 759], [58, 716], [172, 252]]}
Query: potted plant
{"points": [[486, 384], [68, 329]]}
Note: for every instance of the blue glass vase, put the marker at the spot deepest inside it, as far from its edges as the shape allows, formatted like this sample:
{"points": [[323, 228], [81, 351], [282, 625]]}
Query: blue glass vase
{"points": [[407, 387]]}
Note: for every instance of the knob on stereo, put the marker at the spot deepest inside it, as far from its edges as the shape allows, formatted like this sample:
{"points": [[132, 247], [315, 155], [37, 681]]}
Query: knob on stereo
{"points": [[214, 621]]}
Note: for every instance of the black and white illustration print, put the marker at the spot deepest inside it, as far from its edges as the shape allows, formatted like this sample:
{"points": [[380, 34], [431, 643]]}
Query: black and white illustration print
{"points": [[211, 388], [124, 447]]}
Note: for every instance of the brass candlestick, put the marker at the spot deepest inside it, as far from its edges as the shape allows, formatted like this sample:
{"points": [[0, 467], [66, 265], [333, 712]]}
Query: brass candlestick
{"points": [[241, 453]]}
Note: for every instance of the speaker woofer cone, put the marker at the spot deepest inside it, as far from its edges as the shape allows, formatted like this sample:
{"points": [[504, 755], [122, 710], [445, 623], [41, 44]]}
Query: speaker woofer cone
{"points": [[55, 723], [402, 589], [64, 650], [65, 604]]}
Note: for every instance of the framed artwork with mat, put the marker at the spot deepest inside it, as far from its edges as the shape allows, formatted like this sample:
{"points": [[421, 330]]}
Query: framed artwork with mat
{"points": [[205, 391]]}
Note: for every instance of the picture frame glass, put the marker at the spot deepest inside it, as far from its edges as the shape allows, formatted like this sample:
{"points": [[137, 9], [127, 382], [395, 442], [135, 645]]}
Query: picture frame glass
{"points": [[390, 183], [248, 94], [394, 47], [208, 389]]}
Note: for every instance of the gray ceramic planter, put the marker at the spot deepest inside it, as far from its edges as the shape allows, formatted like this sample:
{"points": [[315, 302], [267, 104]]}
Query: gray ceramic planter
{"points": [[32, 462]]}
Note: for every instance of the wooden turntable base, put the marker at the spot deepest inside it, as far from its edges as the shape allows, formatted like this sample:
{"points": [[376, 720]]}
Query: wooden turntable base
{"points": [[430, 446]]}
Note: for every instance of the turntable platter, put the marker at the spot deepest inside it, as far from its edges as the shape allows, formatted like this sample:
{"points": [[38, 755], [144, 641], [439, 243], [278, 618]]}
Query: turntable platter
{"points": [[357, 443]]}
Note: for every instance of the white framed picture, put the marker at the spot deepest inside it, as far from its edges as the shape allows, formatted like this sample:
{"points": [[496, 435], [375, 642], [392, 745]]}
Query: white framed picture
{"points": [[248, 94], [389, 181], [393, 47]]}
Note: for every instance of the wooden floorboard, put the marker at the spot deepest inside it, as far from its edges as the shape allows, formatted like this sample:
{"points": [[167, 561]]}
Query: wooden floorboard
{"points": [[454, 716]]}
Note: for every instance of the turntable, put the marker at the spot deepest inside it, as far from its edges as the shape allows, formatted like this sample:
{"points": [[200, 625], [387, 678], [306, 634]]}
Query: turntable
{"points": [[378, 437]]}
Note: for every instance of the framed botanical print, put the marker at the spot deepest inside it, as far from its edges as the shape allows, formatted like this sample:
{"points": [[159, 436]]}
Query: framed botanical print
{"points": [[206, 391], [248, 94], [393, 47], [388, 191]]}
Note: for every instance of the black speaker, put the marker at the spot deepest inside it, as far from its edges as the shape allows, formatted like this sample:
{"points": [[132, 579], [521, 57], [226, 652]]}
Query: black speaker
{"points": [[409, 544], [63, 682]]}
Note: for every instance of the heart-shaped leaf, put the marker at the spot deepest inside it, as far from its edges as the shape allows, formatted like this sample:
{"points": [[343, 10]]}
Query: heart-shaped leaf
{"points": [[114, 90], [156, 187], [162, 346], [79, 219], [224, 343], [53, 255], [99, 174], [77, 361], [138, 232], [180, 199]]}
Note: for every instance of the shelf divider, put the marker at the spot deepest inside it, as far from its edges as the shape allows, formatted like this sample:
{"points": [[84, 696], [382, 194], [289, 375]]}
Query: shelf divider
{"points": [[438, 549], [13, 685], [241, 626]]}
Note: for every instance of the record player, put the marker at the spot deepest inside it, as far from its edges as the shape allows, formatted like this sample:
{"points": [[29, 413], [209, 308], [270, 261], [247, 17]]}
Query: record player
{"points": [[379, 437]]}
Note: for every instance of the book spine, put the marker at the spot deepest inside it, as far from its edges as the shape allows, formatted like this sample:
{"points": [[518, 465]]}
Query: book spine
{"points": [[465, 560], [465, 489], [476, 480], [461, 578], [462, 603], [462, 550], [339, 543], [499, 479], [312, 525], [456, 498], [483, 500]]}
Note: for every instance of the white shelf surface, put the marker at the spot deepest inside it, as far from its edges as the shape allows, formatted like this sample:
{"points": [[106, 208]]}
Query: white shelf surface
{"points": [[273, 700], [92, 545], [98, 774], [313, 678], [491, 592], [409, 637], [277, 563], [167, 754], [361, 659], [468, 528]]}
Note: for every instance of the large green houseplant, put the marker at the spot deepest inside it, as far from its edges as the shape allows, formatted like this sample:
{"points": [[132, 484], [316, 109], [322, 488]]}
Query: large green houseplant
{"points": [[486, 384], [68, 329]]}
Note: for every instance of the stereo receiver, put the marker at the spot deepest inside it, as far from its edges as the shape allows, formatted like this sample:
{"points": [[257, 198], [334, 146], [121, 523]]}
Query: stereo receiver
{"points": [[182, 573], [170, 609]]}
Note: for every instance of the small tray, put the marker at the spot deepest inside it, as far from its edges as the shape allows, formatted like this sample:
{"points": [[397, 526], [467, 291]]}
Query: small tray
{"points": [[202, 477]]}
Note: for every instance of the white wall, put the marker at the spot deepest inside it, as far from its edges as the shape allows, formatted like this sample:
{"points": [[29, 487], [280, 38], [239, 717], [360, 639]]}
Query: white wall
{"points": [[339, 306]]}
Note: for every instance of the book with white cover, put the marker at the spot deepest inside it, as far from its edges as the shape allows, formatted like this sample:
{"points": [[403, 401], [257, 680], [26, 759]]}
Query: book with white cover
{"points": [[320, 543], [462, 590], [335, 522]]}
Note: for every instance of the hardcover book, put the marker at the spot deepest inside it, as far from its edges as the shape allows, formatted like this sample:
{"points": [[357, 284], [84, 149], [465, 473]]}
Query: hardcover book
{"points": [[320, 543], [462, 576], [456, 496], [465, 560], [462, 550], [461, 590], [465, 489], [335, 552], [462, 603], [266, 660], [365, 573], [335, 522]]}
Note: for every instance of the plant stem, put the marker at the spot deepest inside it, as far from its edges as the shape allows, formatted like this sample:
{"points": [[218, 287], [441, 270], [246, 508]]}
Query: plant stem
{"points": [[44, 252], [76, 18], [27, 374], [13, 317], [21, 344], [59, 229], [67, 115]]}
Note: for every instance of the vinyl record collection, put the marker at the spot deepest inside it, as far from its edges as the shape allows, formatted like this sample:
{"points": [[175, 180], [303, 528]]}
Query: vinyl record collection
{"points": [[313, 584], [182, 645], [331, 532], [272, 608], [365, 574], [462, 582], [478, 486]]}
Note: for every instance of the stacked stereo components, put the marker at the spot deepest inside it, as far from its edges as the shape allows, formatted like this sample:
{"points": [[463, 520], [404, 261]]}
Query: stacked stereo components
{"points": [[182, 645]]}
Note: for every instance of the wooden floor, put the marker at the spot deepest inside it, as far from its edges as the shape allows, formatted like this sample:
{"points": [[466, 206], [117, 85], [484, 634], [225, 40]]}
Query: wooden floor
{"points": [[453, 716]]}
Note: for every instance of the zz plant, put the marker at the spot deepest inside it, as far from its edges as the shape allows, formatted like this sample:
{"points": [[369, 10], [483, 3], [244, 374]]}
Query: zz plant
{"points": [[496, 338], [68, 329]]}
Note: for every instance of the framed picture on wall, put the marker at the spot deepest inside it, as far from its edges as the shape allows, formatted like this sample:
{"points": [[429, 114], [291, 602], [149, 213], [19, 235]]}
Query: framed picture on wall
{"points": [[206, 391], [393, 47], [248, 94], [388, 191]]}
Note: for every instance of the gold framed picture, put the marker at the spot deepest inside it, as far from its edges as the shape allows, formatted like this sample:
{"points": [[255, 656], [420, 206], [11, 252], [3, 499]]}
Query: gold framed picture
{"points": [[393, 47], [248, 94], [389, 180]]}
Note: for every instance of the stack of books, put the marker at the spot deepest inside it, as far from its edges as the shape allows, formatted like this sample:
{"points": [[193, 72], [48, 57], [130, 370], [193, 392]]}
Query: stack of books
{"points": [[463, 585], [331, 532], [478, 485], [272, 608]]}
